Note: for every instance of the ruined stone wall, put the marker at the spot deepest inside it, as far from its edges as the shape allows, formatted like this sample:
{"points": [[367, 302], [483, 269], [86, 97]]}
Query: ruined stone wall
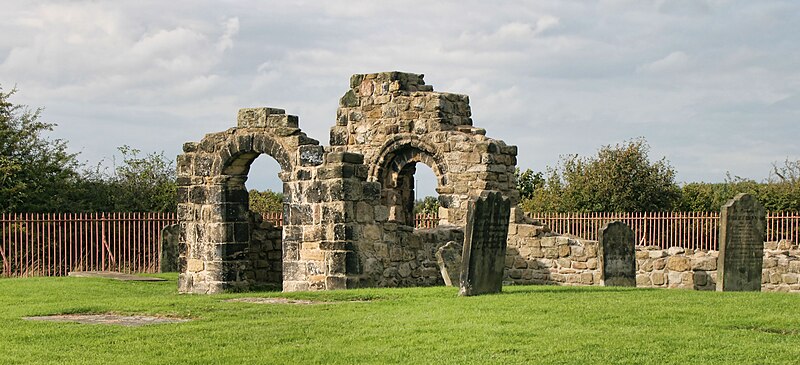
{"points": [[395, 121], [348, 208], [533, 257]]}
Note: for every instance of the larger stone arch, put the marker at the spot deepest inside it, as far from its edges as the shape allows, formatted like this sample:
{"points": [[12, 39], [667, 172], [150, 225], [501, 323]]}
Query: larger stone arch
{"points": [[222, 248]]}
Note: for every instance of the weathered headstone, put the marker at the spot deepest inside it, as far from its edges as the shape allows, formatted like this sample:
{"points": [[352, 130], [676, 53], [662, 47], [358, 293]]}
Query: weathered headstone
{"points": [[742, 224], [618, 255], [484, 253], [449, 259], [169, 248]]}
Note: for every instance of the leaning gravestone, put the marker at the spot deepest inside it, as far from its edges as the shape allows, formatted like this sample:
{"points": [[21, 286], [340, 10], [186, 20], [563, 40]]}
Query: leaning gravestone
{"points": [[484, 253], [449, 259], [618, 255], [742, 224]]}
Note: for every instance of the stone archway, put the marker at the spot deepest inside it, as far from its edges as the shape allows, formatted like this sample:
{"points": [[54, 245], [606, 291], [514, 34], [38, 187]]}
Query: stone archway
{"points": [[395, 168], [219, 252]]}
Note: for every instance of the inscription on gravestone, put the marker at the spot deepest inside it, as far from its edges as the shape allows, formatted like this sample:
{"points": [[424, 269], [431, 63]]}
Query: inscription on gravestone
{"points": [[618, 253], [742, 224], [484, 253]]}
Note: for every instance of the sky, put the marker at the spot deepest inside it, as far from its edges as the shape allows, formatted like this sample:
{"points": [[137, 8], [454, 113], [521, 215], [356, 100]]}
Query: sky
{"points": [[713, 86]]}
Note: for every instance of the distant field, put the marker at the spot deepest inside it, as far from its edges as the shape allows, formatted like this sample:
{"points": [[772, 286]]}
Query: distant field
{"points": [[525, 324]]}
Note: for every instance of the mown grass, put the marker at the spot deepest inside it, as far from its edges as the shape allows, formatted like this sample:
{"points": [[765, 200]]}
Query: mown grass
{"points": [[525, 324]]}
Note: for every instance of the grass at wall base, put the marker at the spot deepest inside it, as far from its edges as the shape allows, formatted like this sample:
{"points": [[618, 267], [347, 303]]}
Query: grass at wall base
{"points": [[525, 324]]}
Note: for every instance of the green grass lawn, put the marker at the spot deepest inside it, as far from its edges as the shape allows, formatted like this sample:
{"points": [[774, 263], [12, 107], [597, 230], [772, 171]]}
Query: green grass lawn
{"points": [[525, 324]]}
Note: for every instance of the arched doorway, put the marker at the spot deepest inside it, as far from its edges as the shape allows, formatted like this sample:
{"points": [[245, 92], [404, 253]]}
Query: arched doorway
{"points": [[397, 172]]}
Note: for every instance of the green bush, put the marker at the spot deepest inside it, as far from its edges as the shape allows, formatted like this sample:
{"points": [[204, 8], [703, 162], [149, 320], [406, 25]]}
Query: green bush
{"points": [[265, 201], [620, 178]]}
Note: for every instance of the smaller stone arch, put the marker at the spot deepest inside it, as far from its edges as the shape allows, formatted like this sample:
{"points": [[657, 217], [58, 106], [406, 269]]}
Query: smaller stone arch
{"points": [[395, 167]]}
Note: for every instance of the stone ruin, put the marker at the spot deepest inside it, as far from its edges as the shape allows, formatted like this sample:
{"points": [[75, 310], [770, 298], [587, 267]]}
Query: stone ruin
{"points": [[348, 208]]}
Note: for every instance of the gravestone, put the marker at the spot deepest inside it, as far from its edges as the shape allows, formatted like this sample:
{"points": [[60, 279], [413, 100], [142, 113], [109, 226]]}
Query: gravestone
{"points": [[449, 259], [618, 255], [169, 248], [484, 253], [742, 224]]}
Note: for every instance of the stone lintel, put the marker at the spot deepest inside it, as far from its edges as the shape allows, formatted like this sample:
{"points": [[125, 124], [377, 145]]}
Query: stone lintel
{"points": [[265, 117], [345, 157]]}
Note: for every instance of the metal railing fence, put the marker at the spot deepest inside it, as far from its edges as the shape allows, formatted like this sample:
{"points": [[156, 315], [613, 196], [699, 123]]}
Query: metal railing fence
{"points": [[695, 230], [53, 244]]}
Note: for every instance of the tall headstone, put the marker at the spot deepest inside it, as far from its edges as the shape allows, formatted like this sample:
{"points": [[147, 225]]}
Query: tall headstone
{"points": [[484, 254], [618, 253], [742, 225]]}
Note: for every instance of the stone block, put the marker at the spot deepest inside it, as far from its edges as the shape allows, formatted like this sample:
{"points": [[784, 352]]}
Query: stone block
{"points": [[659, 264], [678, 263], [674, 278], [311, 155], [381, 213], [705, 263], [658, 278], [194, 265], [672, 251], [586, 278]]}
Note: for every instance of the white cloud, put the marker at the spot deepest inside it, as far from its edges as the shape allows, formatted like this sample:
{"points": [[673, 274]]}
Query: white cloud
{"points": [[553, 77], [675, 61]]}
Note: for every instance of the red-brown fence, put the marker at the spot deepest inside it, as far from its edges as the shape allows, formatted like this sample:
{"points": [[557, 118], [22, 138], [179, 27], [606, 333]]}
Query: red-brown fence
{"points": [[421, 220], [695, 230], [426, 220], [275, 218], [55, 244]]}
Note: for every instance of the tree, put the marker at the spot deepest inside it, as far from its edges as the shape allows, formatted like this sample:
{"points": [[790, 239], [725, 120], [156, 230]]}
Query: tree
{"points": [[620, 179], [265, 201], [780, 192], [35, 171], [528, 182], [428, 205], [138, 184], [144, 183]]}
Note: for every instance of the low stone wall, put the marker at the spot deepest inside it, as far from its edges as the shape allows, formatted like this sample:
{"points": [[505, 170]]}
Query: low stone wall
{"points": [[264, 253], [402, 256], [535, 257]]}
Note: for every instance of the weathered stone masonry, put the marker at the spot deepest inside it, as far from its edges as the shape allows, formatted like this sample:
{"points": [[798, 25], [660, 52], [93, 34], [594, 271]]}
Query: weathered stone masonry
{"points": [[535, 257], [348, 207]]}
